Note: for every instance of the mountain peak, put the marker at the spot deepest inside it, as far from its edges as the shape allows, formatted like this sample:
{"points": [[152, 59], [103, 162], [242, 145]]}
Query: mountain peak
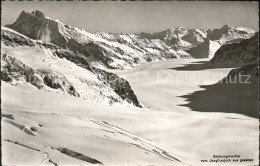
{"points": [[33, 15], [226, 26], [180, 28], [31, 24], [174, 29], [38, 13]]}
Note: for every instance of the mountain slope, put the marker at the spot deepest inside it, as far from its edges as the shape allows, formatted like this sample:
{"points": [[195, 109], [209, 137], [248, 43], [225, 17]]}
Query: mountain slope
{"points": [[52, 68], [237, 54]]}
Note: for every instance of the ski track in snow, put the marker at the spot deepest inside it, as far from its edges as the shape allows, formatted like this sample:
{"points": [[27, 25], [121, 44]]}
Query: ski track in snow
{"points": [[148, 146]]}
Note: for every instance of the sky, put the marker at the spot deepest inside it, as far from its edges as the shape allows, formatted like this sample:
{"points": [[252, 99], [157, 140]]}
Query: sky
{"points": [[139, 16]]}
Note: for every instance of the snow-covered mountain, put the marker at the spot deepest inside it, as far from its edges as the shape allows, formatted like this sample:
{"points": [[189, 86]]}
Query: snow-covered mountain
{"points": [[228, 34], [215, 38], [179, 38], [52, 68], [200, 43], [123, 51]]}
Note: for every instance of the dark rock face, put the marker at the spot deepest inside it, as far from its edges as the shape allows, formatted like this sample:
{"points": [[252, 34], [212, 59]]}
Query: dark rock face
{"points": [[12, 39], [29, 24], [39, 14], [49, 82], [15, 69], [6, 76], [237, 54], [200, 51], [57, 81], [120, 85]]}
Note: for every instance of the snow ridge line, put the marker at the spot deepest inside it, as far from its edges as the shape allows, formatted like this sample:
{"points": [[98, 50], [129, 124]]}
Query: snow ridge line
{"points": [[157, 149]]}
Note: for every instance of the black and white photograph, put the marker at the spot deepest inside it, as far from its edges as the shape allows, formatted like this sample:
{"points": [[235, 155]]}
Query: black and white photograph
{"points": [[129, 83]]}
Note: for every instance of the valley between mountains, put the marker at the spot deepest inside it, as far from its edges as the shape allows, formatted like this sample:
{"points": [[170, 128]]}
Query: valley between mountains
{"points": [[70, 97]]}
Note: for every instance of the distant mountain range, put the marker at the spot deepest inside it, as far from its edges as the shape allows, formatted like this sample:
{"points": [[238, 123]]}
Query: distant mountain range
{"points": [[123, 51]]}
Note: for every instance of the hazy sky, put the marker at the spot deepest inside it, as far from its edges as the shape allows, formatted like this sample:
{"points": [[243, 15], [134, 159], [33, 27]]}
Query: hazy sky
{"points": [[139, 16]]}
